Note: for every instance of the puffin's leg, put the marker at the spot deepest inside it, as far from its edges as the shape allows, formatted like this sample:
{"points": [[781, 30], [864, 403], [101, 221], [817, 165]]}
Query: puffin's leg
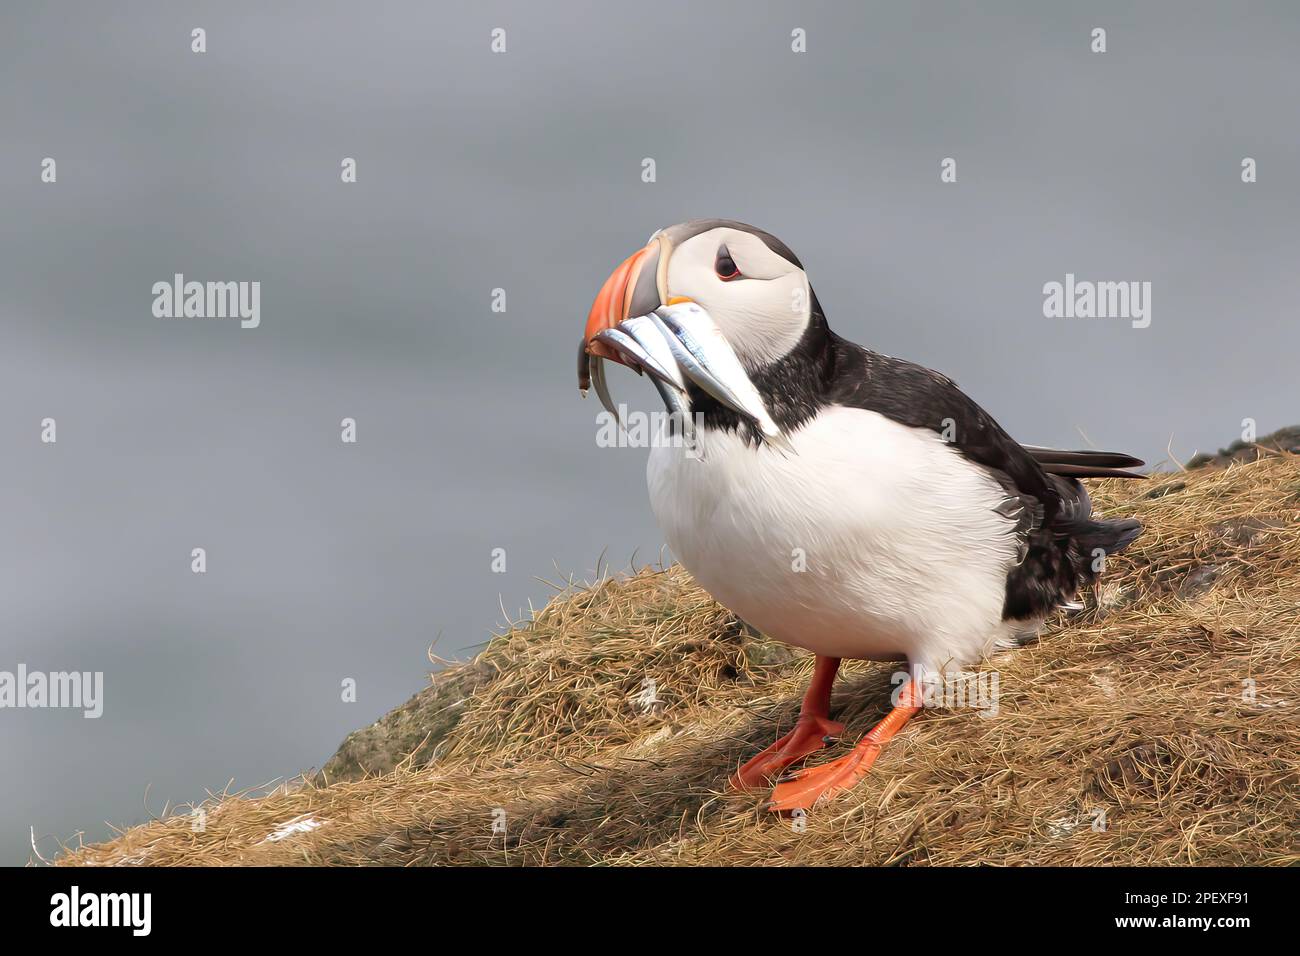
{"points": [[802, 789], [811, 732]]}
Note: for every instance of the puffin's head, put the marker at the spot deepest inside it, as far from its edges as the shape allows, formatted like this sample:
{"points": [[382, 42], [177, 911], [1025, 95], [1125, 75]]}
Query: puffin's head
{"points": [[749, 282]]}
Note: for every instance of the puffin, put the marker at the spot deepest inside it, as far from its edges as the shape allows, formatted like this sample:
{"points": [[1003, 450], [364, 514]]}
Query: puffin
{"points": [[894, 521]]}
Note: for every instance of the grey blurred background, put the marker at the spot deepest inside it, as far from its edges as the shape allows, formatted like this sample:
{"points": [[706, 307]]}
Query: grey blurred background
{"points": [[522, 170]]}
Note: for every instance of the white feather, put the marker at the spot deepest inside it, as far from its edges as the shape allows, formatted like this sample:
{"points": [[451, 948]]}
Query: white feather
{"points": [[905, 555]]}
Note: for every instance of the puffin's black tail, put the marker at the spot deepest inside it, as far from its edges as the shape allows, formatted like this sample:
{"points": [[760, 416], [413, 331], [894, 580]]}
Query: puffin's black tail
{"points": [[1068, 553], [1091, 541], [1099, 538]]}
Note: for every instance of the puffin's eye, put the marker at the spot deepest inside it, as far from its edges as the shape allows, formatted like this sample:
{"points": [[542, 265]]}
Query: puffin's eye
{"points": [[725, 266]]}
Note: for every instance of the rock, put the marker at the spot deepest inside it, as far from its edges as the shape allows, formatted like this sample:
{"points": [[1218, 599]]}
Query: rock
{"points": [[1284, 439], [1166, 490], [416, 727], [1244, 532], [1198, 581]]}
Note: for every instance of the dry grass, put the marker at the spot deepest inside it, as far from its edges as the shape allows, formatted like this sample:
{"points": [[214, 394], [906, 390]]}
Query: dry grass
{"points": [[1136, 708]]}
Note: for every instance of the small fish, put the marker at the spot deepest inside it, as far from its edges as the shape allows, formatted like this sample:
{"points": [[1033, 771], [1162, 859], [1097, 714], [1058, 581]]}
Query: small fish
{"points": [[602, 389], [708, 360], [695, 369], [634, 355], [680, 421], [675, 344], [650, 337], [584, 368]]}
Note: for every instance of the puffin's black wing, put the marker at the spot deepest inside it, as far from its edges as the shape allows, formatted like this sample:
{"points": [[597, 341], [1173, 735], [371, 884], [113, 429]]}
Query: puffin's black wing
{"points": [[1084, 464], [1059, 539], [1057, 456], [919, 397]]}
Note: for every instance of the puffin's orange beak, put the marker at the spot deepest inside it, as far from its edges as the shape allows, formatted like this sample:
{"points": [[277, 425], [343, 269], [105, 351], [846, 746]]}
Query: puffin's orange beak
{"points": [[636, 287]]}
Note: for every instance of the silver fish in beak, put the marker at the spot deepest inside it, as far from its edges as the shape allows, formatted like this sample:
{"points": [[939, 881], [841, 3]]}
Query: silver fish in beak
{"points": [[634, 356], [676, 345], [705, 356], [649, 335]]}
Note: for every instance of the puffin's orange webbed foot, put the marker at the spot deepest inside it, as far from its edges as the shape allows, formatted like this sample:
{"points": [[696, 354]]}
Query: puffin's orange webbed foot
{"points": [[810, 731], [810, 734], [804, 788]]}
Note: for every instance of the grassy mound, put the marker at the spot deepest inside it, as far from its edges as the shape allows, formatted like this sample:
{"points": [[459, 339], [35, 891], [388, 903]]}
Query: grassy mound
{"points": [[1161, 725]]}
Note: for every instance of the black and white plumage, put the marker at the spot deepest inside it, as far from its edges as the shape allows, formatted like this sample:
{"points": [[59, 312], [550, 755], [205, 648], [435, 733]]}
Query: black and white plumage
{"points": [[1057, 536], [901, 522]]}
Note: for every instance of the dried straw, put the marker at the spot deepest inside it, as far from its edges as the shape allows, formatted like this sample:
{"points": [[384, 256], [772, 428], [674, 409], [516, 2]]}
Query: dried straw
{"points": [[1158, 726]]}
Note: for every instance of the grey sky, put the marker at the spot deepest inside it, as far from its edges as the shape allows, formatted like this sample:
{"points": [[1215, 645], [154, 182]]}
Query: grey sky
{"points": [[522, 171]]}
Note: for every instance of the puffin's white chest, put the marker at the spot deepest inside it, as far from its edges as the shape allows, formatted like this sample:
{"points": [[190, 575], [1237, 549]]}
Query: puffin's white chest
{"points": [[875, 540]]}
